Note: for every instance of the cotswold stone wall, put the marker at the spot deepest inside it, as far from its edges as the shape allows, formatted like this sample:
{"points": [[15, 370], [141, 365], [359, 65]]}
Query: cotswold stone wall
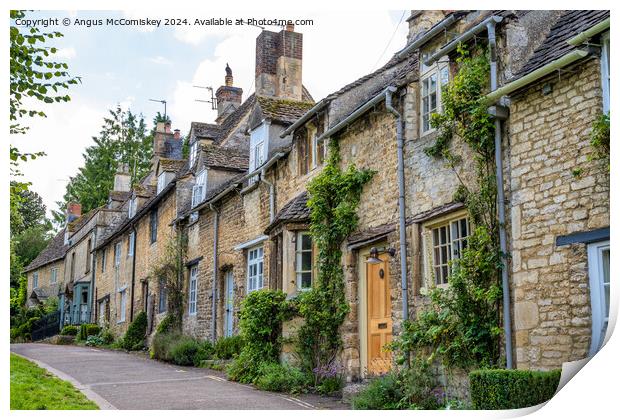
{"points": [[45, 279], [549, 138]]}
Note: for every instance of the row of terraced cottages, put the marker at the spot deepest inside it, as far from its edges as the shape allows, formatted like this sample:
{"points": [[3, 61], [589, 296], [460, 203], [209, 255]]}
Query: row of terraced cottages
{"points": [[240, 197]]}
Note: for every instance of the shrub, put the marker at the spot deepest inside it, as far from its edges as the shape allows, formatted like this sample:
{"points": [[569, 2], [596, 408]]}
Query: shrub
{"points": [[94, 341], [188, 351], [106, 336], [167, 324], [281, 378], [69, 330], [330, 386], [134, 337], [500, 389], [86, 330], [228, 347], [384, 393], [162, 344]]}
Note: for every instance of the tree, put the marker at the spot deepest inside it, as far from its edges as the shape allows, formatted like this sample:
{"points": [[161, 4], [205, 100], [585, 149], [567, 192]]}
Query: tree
{"points": [[31, 210], [123, 139]]}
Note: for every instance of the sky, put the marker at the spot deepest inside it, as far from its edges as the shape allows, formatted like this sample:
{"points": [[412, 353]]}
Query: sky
{"points": [[129, 65]]}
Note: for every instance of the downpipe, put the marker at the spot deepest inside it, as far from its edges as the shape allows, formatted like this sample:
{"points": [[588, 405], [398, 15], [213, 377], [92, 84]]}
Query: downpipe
{"points": [[401, 203], [501, 202], [272, 195], [216, 223]]}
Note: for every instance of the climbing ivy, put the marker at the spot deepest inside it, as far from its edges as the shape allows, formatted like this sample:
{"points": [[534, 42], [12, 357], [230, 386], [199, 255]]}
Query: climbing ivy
{"points": [[599, 141], [334, 198], [461, 324]]}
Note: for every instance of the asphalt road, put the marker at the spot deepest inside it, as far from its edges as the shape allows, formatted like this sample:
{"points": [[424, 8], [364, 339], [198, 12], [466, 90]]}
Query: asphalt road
{"points": [[119, 380]]}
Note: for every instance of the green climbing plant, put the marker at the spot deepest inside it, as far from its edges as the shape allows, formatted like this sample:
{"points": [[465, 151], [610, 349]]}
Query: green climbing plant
{"points": [[461, 326], [334, 197]]}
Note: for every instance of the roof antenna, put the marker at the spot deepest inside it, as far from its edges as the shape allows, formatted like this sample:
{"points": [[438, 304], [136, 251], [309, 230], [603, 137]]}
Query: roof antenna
{"points": [[161, 101], [213, 101]]}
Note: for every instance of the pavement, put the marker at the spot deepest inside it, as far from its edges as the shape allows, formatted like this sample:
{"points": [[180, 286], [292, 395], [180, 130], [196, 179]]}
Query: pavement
{"points": [[128, 381]]}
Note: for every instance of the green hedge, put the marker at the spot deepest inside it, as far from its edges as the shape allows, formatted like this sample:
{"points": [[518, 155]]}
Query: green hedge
{"points": [[134, 337], [501, 389], [86, 330], [69, 330], [228, 347]]}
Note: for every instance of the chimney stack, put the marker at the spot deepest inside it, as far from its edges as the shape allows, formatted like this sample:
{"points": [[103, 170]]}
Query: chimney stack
{"points": [[122, 178], [279, 64], [228, 97], [421, 21], [74, 211], [177, 134], [165, 144]]}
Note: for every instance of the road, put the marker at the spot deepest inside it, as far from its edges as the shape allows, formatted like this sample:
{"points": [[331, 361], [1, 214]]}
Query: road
{"points": [[119, 380]]}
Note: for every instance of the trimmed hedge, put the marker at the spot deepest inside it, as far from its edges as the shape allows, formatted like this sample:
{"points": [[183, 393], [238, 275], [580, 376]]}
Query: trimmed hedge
{"points": [[228, 347], [502, 389], [69, 330], [134, 337], [87, 330]]}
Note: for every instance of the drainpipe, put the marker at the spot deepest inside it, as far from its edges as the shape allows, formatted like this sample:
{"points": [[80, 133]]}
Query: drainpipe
{"points": [[92, 279], [401, 202], [216, 217], [272, 195], [499, 176], [133, 272]]}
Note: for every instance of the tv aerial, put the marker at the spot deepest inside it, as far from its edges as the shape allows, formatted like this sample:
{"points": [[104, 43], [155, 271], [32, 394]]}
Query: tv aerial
{"points": [[213, 101], [161, 101]]}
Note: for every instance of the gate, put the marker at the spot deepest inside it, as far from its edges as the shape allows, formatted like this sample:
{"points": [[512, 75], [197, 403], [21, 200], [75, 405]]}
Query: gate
{"points": [[47, 326]]}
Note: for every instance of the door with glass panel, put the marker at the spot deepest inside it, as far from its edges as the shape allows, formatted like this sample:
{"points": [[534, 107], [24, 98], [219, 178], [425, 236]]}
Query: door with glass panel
{"points": [[228, 304], [598, 271]]}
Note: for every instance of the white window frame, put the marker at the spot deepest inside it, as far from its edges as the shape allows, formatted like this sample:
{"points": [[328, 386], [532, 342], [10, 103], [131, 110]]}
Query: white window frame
{"points": [[255, 269], [162, 181], [53, 275], [453, 246], [102, 313], [132, 242], [299, 251], [193, 290], [117, 254], [199, 189], [441, 71], [605, 74], [598, 298], [132, 207], [35, 280], [123, 308], [193, 153]]}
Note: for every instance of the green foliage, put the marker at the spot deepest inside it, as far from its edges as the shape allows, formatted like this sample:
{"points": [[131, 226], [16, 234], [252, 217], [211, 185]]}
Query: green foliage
{"points": [[86, 330], [94, 341], [69, 330], [188, 351], [599, 138], [501, 389], [461, 326], [260, 322], [106, 336], [23, 319], [281, 378], [162, 344], [167, 324], [334, 198], [228, 347], [134, 337], [330, 385], [411, 388], [170, 269]]}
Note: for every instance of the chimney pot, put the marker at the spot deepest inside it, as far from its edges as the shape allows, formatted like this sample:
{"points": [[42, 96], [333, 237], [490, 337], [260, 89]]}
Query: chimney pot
{"points": [[167, 127], [290, 27], [74, 211], [177, 134]]}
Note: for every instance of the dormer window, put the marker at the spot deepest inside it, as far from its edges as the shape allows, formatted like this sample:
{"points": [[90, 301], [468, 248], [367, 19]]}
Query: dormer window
{"points": [[200, 188], [162, 180], [258, 139], [133, 206], [434, 79], [193, 153]]}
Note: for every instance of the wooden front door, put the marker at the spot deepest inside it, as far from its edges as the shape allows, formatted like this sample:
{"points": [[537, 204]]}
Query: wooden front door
{"points": [[379, 316]]}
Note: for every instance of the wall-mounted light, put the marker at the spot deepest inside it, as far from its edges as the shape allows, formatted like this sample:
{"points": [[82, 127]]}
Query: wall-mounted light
{"points": [[373, 257]]}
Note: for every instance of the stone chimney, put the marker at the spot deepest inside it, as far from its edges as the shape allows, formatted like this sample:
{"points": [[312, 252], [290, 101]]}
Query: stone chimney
{"points": [[122, 178], [421, 21], [165, 143], [279, 64], [74, 211], [228, 97]]}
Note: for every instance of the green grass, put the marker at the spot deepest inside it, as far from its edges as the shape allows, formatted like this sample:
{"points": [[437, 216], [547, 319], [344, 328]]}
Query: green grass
{"points": [[34, 388]]}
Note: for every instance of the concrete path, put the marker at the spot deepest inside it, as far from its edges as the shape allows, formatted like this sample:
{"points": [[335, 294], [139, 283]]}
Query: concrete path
{"points": [[119, 380]]}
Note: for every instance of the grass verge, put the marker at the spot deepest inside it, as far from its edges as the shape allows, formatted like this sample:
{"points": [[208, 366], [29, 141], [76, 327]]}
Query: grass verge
{"points": [[34, 388]]}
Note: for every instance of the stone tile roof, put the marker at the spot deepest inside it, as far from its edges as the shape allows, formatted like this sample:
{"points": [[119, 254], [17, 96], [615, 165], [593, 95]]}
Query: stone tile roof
{"points": [[222, 157], [555, 45], [295, 210], [283, 110], [171, 165], [186, 208], [54, 251], [205, 130], [120, 195], [370, 234], [232, 121]]}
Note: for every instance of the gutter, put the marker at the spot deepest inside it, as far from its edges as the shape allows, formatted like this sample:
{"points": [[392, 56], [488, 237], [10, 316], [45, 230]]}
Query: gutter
{"points": [[92, 278], [380, 97], [428, 35], [216, 222], [301, 120], [133, 271], [464, 37], [581, 37], [563, 61], [401, 203]]}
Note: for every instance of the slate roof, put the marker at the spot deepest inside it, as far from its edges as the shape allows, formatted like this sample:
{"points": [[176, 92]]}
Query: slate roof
{"points": [[171, 165], [54, 251], [554, 46], [204, 130], [283, 110], [295, 210], [222, 157], [369, 234], [119, 195]]}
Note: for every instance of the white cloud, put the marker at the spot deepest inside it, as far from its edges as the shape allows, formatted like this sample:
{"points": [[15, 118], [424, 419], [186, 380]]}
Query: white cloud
{"points": [[65, 53], [160, 60]]}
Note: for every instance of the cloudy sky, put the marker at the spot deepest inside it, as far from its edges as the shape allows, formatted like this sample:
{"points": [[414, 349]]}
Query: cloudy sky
{"points": [[130, 65]]}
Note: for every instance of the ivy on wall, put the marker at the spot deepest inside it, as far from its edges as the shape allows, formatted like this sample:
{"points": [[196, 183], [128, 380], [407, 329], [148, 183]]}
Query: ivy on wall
{"points": [[599, 141], [461, 326], [334, 198]]}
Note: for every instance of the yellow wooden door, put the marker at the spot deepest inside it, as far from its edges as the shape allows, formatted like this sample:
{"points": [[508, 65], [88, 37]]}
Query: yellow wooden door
{"points": [[379, 316]]}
